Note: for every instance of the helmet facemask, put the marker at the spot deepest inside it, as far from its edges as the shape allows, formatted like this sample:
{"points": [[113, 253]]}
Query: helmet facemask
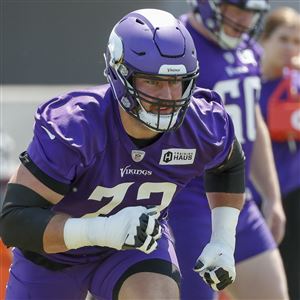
{"points": [[165, 114], [245, 32]]}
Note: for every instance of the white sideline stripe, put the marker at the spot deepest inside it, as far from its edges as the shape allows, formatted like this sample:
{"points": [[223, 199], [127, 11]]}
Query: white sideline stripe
{"points": [[11, 93]]}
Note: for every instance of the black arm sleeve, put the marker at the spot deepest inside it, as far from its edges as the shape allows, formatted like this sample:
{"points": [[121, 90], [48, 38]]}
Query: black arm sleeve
{"points": [[24, 217], [229, 177], [56, 186]]}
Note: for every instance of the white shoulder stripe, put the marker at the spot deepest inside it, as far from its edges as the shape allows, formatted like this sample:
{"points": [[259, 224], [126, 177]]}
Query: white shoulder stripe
{"points": [[51, 136]]}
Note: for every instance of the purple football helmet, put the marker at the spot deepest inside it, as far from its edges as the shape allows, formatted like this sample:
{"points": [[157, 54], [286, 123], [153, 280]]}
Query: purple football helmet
{"points": [[151, 43], [208, 12]]}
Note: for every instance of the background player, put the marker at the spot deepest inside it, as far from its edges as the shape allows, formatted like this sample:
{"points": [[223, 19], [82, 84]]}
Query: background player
{"points": [[228, 57], [281, 63]]}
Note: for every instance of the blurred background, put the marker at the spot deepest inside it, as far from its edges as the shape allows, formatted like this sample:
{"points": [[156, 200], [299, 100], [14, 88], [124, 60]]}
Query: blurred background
{"points": [[49, 47]]}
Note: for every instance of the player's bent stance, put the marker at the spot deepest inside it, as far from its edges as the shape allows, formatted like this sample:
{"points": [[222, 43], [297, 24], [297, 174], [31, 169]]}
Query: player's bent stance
{"points": [[86, 210]]}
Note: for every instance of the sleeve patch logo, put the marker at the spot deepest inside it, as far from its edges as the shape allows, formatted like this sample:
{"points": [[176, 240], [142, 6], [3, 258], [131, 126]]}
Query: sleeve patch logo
{"points": [[175, 156]]}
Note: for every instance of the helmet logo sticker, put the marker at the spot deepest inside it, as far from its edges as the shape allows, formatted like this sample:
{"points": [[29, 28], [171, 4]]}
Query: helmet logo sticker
{"points": [[172, 70], [115, 48]]}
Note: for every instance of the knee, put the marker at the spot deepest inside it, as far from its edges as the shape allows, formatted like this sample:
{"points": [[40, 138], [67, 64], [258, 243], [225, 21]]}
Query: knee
{"points": [[146, 285]]}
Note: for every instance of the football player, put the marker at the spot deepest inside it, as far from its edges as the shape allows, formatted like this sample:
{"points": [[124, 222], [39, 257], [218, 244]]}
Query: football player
{"points": [[281, 73], [86, 209]]}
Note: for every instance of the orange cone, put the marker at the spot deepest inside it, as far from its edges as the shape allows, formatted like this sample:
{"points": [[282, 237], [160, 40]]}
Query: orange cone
{"points": [[222, 296], [5, 261]]}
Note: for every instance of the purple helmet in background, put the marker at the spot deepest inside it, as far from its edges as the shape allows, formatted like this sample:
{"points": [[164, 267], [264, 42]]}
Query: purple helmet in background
{"points": [[151, 43], [208, 12]]}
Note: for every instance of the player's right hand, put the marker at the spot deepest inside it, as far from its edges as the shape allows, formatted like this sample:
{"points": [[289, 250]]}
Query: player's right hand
{"points": [[275, 218], [216, 265], [134, 228]]}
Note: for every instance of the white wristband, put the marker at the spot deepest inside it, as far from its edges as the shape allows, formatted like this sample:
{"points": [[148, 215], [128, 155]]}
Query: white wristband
{"points": [[80, 232], [224, 222], [111, 231]]}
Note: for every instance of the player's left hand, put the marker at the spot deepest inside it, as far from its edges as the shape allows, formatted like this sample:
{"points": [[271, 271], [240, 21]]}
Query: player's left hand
{"points": [[216, 266]]}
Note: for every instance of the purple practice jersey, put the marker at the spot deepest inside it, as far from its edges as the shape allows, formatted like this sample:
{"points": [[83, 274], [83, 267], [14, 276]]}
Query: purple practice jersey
{"points": [[79, 141]]}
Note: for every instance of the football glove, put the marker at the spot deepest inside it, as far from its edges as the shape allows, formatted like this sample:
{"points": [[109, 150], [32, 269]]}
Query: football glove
{"points": [[130, 228], [216, 263], [216, 266]]}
